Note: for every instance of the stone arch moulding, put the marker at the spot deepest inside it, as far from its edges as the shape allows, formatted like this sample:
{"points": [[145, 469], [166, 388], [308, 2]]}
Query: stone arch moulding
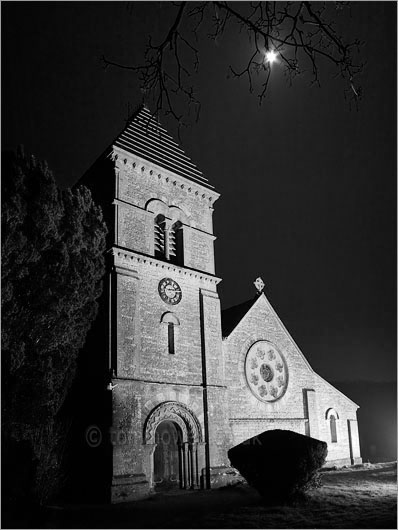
{"points": [[331, 412], [156, 206], [180, 414], [177, 214], [170, 317]]}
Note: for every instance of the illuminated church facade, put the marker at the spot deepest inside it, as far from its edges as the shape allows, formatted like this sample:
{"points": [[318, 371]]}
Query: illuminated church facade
{"points": [[186, 381]]}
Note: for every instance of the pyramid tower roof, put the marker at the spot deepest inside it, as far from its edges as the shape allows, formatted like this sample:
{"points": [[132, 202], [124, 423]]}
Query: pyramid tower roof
{"points": [[145, 137]]}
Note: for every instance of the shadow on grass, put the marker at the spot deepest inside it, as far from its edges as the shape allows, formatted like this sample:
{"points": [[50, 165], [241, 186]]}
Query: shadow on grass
{"points": [[350, 498]]}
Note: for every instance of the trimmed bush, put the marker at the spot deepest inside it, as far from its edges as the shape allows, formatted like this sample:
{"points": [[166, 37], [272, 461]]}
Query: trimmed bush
{"points": [[280, 464]]}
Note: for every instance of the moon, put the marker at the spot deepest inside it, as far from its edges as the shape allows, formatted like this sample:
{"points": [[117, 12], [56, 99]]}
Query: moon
{"points": [[271, 56]]}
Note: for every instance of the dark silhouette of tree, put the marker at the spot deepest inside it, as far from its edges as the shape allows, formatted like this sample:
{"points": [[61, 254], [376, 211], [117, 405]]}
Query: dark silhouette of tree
{"points": [[52, 264], [302, 35]]}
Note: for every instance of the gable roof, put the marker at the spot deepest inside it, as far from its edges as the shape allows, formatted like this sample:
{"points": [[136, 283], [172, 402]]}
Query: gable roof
{"points": [[231, 317], [145, 137]]}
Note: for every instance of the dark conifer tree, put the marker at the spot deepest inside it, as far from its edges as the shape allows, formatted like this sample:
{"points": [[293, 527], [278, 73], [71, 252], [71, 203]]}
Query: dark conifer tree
{"points": [[53, 244]]}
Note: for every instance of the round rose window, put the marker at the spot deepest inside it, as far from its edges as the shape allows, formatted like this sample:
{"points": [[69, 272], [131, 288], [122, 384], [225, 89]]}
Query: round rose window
{"points": [[266, 371]]}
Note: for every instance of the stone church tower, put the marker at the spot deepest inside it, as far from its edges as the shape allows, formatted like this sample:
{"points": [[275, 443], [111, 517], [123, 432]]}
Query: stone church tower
{"points": [[165, 348], [184, 388]]}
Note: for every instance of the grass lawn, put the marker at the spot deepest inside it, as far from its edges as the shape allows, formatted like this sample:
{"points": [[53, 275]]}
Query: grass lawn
{"points": [[357, 497]]}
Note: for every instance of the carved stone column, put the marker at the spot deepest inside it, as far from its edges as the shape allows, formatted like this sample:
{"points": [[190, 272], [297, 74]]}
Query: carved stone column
{"points": [[191, 466], [183, 466], [167, 238], [187, 465]]}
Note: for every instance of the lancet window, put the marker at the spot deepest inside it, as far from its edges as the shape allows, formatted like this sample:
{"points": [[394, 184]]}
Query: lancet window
{"points": [[332, 417], [333, 430], [172, 322]]}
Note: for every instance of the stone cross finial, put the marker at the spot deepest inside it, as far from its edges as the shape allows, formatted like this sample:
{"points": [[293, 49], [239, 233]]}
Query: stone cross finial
{"points": [[259, 285]]}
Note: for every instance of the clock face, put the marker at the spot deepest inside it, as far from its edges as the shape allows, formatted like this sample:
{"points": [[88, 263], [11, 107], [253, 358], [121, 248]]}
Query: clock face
{"points": [[169, 291], [266, 371]]}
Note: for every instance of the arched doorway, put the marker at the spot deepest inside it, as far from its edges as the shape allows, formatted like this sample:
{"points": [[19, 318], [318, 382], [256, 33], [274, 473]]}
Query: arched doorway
{"points": [[173, 440], [167, 465]]}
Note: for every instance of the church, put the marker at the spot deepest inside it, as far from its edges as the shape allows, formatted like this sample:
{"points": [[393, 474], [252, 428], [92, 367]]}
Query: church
{"points": [[185, 380]]}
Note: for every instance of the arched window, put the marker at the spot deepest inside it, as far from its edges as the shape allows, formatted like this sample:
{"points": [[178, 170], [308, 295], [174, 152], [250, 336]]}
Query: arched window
{"points": [[170, 337], [333, 431], [332, 417], [171, 321], [160, 232], [176, 243]]}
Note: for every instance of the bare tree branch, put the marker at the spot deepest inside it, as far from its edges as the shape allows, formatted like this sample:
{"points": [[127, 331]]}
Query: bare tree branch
{"points": [[300, 33]]}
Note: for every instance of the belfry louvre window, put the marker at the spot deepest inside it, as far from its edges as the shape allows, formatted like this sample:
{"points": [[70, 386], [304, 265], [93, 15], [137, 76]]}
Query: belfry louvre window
{"points": [[333, 430], [176, 243], [160, 233]]}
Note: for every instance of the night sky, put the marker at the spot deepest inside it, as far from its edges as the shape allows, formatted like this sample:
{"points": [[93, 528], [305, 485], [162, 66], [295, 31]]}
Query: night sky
{"points": [[308, 186]]}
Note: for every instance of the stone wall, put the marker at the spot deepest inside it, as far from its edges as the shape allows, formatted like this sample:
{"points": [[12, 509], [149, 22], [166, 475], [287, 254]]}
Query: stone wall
{"points": [[260, 323], [219, 431], [134, 228], [303, 407], [142, 347], [346, 411], [148, 375], [140, 180], [242, 428], [137, 183]]}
